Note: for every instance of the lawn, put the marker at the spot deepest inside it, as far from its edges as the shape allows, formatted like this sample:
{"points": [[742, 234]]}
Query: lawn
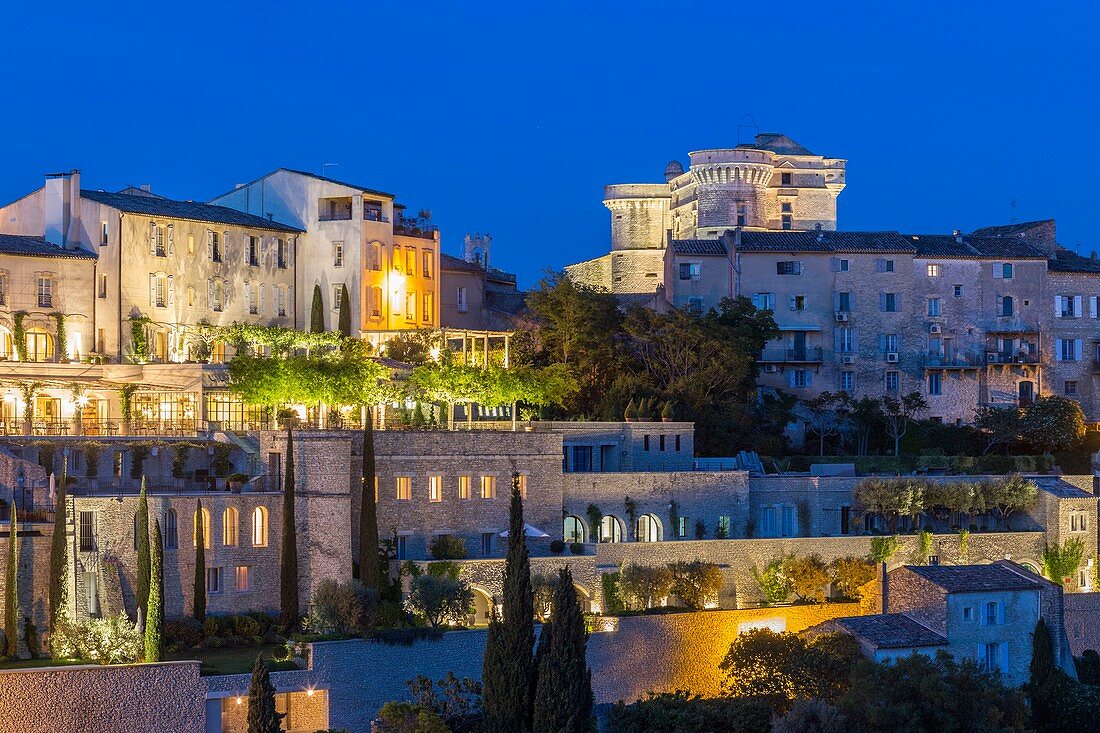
{"points": [[40, 662], [232, 660]]}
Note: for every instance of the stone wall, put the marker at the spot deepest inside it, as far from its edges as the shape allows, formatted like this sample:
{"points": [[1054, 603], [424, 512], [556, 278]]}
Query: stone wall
{"points": [[1081, 613], [115, 699], [34, 571]]}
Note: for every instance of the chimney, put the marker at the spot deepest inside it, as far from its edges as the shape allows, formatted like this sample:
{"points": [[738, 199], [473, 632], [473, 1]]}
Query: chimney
{"points": [[147, 188], [958, 235], [61, 209], [1093, 256], [820, 235]]}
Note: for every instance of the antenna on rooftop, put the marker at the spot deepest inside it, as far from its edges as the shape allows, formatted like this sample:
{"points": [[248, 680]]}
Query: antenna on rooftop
{"points": [[324, 168], [748, 122], [1012, 208]]}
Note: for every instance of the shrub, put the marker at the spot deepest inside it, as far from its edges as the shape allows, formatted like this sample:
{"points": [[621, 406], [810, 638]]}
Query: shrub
{"points": [[444, 569], [672, 712], [762, 662], [183, 632], [111, 640], [346, 609], [773, 581], [392, 615], [696, 582], [448, 547], [850, 574], [557, 547], [440, 600], [811, 715], [576, 548], [808, 577], [612, 594], [644, 586]]}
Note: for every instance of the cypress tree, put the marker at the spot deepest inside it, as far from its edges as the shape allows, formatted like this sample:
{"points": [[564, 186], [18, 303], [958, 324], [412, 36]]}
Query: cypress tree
{"points": [[11, 588], [508, 668], [154, 619], [59, 595], [344, 322], [288, 572], [199, 606], [142, 529], [317, 312], [563, 694], [262, 717], [370, 565], [1043, 686]]}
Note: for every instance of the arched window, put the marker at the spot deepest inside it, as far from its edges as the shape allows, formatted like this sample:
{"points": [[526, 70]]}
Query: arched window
{"points": [[611, 529], [648, 528], [39, 345], [229, 527], [204, 517], [573, 530], [374, 301], [376, 256], [259, 527], [171, 536]]}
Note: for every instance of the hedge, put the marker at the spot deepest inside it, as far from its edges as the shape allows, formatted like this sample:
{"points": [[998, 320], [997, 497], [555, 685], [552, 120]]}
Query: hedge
{"points": [[969, 465]]}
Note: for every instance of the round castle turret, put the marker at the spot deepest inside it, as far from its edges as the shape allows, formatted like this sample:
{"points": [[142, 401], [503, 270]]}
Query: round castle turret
{"points": [[730, 186], [639, 214]]}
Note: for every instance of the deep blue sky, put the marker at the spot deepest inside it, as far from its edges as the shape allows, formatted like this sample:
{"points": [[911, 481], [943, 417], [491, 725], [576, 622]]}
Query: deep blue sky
{"points": [[510, 117]]}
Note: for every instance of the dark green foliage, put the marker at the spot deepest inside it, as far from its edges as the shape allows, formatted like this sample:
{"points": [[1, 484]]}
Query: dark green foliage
{"points": [[288, 570], [317, 312], [509, 667], [141, 526], [370, 563], [761, 662], [199, 604], [1088, 667], [11, 593], [58, 559], [138, 454], [30, 637], [612, 594], [344, 320], [563, 694], [154, 620], [262, 717], [447, 547], [1053, 422], [680, 712]]}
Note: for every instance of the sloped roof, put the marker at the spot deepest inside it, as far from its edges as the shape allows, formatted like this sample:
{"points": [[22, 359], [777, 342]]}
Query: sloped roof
{"points": [[1065, 261], [1018, 229], [187, 210], [364, 189], [1061, 488], [23, 246], [975, 578], [974, 247], [449, 262], [776, 142], [890, 631], [825, 241], [705, 247]]}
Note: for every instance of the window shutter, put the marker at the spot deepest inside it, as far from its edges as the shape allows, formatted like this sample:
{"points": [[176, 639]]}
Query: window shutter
{"points": [[880, 265], [809, 378], [210, 290], [981, 649], [882, 301], [1077, 306], [226, 254], [290, 252], [836, 340], [1092, 306], [836, 302], [1001, 613], [171, 240], [171, 293], [248, 296], [246, 250], [1057, 349], [790, 378], [798, 267], [1077, 349], [1004, 658], [152, 289], [263, 251], [855, 340], [998, 270], [882, 342], [834, 264], [263, 299], [897, 302], [790, 302], [210, 255], [1057, 306], [290, 306], [153, 238]]}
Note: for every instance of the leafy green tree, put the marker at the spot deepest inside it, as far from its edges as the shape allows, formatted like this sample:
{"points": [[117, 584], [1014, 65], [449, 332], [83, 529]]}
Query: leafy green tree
{"points": [[344, 320], [644, 586], [761, 662], [563, 694], [317, 311], [154, 621], [826, 413], [816, 716], [899, 413], [198, 606], [1060, 562], [1053, 422], [680, 712], [890, 498], [289, 605], [773, 581], [141, 526], [883, 548], [864, 415], [808, 575], [11, 588], [850, 574], [440, 599], [696, 583], [1010, 494], [262, 716], [508, 671], [998, 426], [405, 717], [59, 596]]}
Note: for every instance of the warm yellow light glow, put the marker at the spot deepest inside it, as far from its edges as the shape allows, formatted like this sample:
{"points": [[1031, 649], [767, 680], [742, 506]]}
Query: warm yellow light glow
{"points": [[309, 692], [435, 353], [82, 401], [240, 700]]}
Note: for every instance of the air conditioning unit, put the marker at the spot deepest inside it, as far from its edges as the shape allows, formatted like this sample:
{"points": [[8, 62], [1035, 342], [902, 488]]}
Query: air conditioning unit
{"points": [[841, 317], [992, 357], [770, 368], [891, 357], [935, 328], [847, 359]]}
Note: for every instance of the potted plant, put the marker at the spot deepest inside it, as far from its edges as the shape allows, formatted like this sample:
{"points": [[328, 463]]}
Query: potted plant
{"points": [[667, 413], [235, 482], [631, 412], [644, 413], [557, 547], [286, 417], [180, 453], [576, 548]]}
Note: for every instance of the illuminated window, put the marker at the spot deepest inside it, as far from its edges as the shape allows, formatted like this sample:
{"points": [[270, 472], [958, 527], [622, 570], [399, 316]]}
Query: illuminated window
{"points": [[523, 485], [229, 527], [397, 258], [933, 271], [337, 254], [244, 579], [463, 487], [573, 530], [204, 517], [426, 312], [488, 487], [426, 267], [45, 291], [410, 306], [435, 488], [259, 527], [410, 261], [404, 488], [190, 297]]}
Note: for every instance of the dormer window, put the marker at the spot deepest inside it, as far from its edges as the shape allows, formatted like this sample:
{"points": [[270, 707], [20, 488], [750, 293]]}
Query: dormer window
{"points": [[785, 179]]}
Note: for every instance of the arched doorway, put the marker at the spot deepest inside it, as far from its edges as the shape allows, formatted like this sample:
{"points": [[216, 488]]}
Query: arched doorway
{"points": [[39, 345], [611, 529], [573, 530], [648, 528], [483, 607], [584, 598]]}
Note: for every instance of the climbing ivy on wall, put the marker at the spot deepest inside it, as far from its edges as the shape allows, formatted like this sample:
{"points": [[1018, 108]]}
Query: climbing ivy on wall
{"points": [[62, 337], [19, 335]]}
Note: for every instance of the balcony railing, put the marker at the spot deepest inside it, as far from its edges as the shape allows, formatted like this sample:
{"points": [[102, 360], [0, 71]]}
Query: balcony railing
{"points": [[1007, 357], [956, 361], [810, 354], [335, 216]]}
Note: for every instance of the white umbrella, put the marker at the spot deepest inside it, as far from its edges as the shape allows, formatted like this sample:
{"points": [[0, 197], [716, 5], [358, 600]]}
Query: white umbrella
{"points": [[528, 531]]}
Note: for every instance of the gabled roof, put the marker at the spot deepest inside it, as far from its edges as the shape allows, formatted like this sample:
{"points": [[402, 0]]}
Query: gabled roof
{"points": [[969, 246], [702, 247], [23, 246], [1061, 488], [825, 241], [364, 189], [1065, 261], [776, 142], [889, 631], [976, 578], [187, 210], [457, 264], [1018, 229]]}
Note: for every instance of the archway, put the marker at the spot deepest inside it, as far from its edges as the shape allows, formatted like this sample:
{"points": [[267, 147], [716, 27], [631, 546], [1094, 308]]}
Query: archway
{"points": [[584, 598], [611, 529], [573, 530], [648, 528], [39, 344], [483, 606]]}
